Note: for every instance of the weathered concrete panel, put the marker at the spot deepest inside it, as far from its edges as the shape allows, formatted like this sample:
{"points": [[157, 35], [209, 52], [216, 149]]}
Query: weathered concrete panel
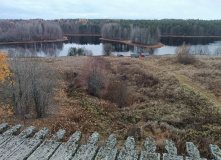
{"points": [[9, 146], [48, 147], [88, 152], [150, 151], [215, 152], [129, 153], [108, 152], [67, 150], [193, 152], [3, 126], [6, 136], [28, 146], [21, 147], [171, 151]]}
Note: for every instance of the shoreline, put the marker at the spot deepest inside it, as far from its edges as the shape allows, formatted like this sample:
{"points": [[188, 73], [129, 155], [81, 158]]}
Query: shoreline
{"points": [[95, 35], [99, 35], [41, 41], [65, 38], [128, 42], [177, 36]]}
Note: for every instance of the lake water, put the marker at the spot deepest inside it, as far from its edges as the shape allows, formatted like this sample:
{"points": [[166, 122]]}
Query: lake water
{"points": [[198, 45]]}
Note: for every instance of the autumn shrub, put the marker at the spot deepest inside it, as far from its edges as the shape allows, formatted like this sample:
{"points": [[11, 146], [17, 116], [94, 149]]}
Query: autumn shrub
{"points": [[146, 80], [117, 92], [5, 108], [30, 91], [93, 77], [183, 55], [71, 82], [70, 76], [4, 70]]}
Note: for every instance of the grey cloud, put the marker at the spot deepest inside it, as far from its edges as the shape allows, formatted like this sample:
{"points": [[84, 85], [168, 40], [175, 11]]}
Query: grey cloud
{"points": [[125, 9]]}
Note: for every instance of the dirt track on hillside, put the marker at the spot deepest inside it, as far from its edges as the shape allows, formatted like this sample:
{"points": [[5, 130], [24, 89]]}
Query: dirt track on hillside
{"points": [[187, 82]]}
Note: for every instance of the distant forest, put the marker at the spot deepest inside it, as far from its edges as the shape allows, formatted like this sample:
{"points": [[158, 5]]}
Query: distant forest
{"points": [[26, 30], [138, 31]]}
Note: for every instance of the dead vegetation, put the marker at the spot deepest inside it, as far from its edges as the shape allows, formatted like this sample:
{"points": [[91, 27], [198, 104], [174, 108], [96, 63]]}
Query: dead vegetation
{"points": [[140, 99]]}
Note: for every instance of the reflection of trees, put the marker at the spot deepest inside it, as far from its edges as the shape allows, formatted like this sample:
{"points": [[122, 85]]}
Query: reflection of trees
{"points": [[121, 47], [200, 49], [177, 41], [84, 40], [197, 49], [217, 51], [34, 49]]}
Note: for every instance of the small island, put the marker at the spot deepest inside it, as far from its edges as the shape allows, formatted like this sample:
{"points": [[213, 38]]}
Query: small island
{"points": [[128, 42], [130, 34]]}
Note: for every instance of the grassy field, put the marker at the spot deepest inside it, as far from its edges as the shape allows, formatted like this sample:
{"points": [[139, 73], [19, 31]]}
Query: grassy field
{"points": [[158, 97]]}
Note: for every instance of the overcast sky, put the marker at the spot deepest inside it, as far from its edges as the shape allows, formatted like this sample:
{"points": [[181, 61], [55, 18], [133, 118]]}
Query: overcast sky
{"points": [[113, 9]]}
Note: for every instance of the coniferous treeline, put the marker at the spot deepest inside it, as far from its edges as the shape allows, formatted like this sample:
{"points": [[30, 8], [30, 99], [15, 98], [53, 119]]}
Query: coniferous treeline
{"points": [[142, 31], [78, 26], [182, 27], [26, 30], [190, 27], [135, 30]]}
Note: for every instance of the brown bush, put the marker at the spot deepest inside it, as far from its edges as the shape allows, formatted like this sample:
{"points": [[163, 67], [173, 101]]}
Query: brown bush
{"points": [[70, 76], [93, 77], [146, 80], [183, 55], [117, 92]]}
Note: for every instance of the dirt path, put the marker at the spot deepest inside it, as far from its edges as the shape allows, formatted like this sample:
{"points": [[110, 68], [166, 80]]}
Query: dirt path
{"points": [[185, 81]]}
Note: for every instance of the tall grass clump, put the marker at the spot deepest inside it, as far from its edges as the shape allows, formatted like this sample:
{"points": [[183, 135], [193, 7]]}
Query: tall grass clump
{"points": [[184, 56]]}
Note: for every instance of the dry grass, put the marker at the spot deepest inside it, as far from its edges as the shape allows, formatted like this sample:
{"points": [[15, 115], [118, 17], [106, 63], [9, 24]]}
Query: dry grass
{"points": [[159, 106]]}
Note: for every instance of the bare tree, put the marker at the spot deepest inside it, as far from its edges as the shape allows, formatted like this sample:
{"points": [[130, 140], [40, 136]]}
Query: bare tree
{"points": [[32, 87], [116, 31]]}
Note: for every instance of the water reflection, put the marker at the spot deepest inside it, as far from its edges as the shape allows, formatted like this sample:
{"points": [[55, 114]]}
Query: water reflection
{"points": [[127, 49], [177, 41], [84, 40], [120, 47], [33, 49], [199, 46]]}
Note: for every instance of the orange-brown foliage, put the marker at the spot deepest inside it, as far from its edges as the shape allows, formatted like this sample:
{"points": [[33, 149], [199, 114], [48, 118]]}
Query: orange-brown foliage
{"points": [[4, 70]]}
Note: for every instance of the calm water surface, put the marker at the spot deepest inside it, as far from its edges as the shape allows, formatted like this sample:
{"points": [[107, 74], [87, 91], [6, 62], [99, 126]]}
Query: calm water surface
{"points": [[198, 45]]}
